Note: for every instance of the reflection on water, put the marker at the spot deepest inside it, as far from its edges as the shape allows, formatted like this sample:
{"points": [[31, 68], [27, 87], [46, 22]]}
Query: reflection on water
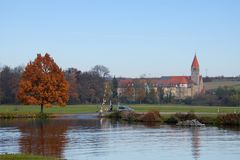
{"points": [[43, 137], [92, 138], [195, 143]]}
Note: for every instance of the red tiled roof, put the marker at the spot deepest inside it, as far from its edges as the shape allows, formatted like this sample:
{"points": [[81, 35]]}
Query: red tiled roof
{"points": [[168, 81], [122, 83], [195, 63], [171, 80], [174, 80]]}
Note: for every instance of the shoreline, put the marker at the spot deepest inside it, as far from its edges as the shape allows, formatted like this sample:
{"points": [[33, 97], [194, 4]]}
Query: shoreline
{"points": [[59, 115], [171, 118]]}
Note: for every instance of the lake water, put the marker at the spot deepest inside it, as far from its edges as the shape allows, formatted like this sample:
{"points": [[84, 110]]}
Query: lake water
{"points": [[87, 137]]}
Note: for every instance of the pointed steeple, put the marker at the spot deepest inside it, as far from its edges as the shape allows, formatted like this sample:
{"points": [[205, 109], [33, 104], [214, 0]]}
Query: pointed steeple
{"points": [[195, 63]]}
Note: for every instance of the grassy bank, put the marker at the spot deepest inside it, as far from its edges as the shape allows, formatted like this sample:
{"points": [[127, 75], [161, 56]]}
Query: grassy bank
{"points": [[69, 109], [185, 108], [24, 157], [29, 111], [11, 115], [205, 114], [75, 109]]}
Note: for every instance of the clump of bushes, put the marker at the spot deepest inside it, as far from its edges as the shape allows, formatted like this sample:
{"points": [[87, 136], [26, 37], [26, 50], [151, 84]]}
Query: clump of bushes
{"points": [[229, 119], [6, 115], [178, 117], [42, 115], [129, 116], [114, 115], [123, 115], [152, 116], [208, 120], [184, 117], [171, 120], [224, 119]]}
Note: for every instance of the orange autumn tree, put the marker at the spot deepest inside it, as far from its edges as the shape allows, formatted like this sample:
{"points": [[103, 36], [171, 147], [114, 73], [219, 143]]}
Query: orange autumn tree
{"points": [[42, 83]]}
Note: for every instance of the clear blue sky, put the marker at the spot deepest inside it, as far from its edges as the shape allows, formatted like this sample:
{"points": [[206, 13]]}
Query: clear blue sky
{"points": [[130, 37]]}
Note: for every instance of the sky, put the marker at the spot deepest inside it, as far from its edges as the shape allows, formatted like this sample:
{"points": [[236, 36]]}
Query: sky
{"points": [[130, 37]]}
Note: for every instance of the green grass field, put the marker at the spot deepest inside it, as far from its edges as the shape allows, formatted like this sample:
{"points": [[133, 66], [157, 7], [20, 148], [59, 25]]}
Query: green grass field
{"points": [[24, 157], [186, 108], [70, 109], [75, 109]]}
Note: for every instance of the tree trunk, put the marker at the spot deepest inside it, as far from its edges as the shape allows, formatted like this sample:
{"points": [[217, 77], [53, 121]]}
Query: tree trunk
{"points": [[41, 108]]}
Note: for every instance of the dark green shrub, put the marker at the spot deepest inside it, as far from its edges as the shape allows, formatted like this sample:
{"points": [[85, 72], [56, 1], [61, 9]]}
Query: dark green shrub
{"points": [[42, 115], [188, 100], [229, 119], [152, 116], [171, 120], [184, 117], [129, 116], [208, 120], [114, 115], [7, 115]]}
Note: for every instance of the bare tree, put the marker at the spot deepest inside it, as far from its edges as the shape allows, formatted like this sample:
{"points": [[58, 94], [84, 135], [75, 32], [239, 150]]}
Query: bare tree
{"points": [[101, 70]]}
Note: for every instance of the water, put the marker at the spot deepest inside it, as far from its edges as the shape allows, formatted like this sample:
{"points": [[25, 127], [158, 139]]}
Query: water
{"points": [[87, 137]]}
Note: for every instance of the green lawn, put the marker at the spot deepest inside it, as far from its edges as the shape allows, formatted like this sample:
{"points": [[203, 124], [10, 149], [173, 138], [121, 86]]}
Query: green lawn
{"points": [[24, 157], [74, 109], [186, 108], [70, 109]]}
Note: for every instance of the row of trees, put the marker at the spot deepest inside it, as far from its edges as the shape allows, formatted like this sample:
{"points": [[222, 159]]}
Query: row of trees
{"points": [[43, 83], [82, 87], [85, 87], [9, 81], [222, 96]]}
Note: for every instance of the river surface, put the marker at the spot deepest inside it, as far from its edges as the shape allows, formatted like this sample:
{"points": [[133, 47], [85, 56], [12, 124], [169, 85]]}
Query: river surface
{"points": [[90, 138]]}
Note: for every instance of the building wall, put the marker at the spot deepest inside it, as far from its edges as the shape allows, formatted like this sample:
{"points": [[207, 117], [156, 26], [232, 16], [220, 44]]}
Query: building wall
{"points": [[197, 88], [183, 92], [179, 92]]}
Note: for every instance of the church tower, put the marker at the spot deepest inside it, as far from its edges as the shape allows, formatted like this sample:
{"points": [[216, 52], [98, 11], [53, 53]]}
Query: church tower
{"points": [[195, 71]]}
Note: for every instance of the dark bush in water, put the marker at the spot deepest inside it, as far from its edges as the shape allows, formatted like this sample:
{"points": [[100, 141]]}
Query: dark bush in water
{"points": [[129, 116], [184, 117], [171, 120], [208, 120], [229, 119], [152, 116]]}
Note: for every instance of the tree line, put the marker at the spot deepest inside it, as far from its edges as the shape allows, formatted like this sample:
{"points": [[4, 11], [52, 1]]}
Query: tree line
{"points": [[9, 82], [84, 87], [222, 96], [88, 88], [43, 82]]}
